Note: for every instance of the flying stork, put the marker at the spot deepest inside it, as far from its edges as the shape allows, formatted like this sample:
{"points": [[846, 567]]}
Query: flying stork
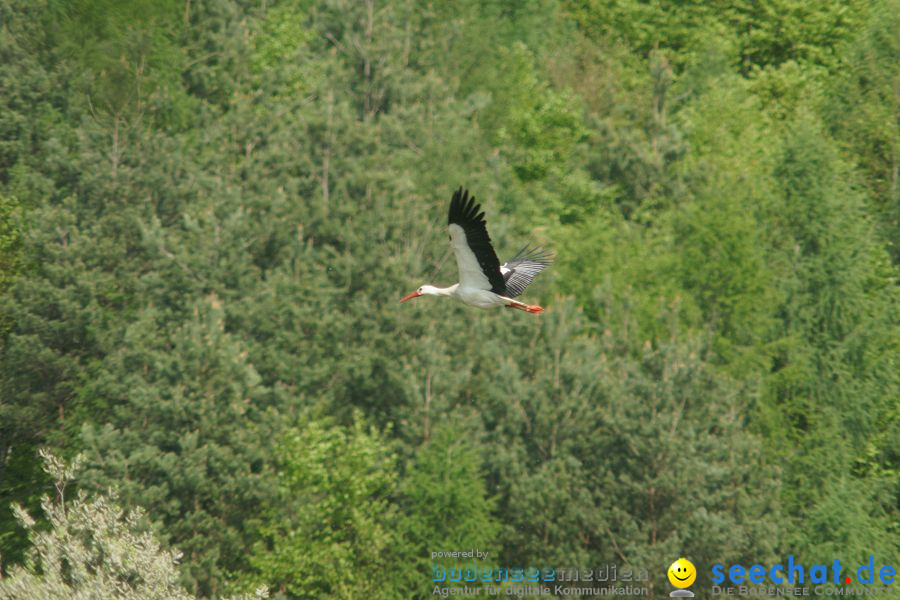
{"points": [[483, 281]]}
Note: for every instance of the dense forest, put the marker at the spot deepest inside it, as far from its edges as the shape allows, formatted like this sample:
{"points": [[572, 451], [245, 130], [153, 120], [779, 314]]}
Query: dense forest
{"points": [[209, 211]]}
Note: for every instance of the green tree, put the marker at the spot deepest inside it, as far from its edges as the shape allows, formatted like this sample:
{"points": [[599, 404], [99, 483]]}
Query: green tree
{"points": [[766, 33], [187, 435], [718, 232], [675, 471], [831, 393], [92, 549], [603, 455], [444, 502], [863, 110], [333, 530]]}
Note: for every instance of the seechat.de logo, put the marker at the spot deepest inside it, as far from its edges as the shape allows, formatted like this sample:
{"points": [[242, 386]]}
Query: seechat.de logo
{"points": [[797, 573]]}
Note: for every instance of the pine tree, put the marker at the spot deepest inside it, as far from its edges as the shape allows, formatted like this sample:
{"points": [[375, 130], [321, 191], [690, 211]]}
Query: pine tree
{"points": [[830, 399], [186, 434], [863, 111], [445, 506], [608, 456]]}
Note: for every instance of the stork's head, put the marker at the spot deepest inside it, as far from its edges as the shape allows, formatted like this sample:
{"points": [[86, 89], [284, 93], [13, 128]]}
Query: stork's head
{"points": [[425, 290]]}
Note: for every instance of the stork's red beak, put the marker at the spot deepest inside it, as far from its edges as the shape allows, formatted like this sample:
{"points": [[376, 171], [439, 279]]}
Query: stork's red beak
{"points": [[415, 294]]}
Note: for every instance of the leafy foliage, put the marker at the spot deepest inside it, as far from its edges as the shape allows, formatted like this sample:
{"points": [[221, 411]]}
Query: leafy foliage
{"points": [[333, 532], [92, 549], [208, 211]]}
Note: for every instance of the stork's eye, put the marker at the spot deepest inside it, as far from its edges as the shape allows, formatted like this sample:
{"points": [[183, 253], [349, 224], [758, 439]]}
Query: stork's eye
{"points": [[419, 290]]}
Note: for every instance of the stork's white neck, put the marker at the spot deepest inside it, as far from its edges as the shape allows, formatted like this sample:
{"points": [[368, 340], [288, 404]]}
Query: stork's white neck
{"points": [[430, 290]]}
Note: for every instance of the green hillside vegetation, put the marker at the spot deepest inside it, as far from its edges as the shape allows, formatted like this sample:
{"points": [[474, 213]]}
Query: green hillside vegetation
{"points": [[209, 211]]}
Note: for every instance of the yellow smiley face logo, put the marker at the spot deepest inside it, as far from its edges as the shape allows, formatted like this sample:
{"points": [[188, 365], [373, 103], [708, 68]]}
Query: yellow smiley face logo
{"points": [[682, 573]]}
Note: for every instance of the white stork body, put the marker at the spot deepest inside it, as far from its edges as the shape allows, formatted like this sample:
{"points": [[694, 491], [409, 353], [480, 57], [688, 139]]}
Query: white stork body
{"points": [[467, 295], [483, 281]]}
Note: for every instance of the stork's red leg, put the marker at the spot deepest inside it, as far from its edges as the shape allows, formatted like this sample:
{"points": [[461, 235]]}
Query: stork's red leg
{"points": [[529, 308]]}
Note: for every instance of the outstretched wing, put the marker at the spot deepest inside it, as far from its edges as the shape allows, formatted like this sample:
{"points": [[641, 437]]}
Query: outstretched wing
{"points": [[478, 264], [523, 268]]}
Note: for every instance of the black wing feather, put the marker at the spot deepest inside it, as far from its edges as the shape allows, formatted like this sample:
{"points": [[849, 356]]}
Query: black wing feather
{"points": [[465, 213], [523, 268]]}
